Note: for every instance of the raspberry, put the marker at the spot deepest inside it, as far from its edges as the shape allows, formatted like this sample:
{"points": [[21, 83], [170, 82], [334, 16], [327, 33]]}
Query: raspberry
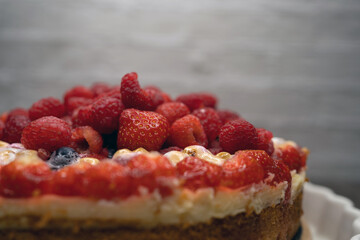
{"points": [[100, 88], [106, 180], [226, 115], [114, 92], [78, 91], [76, 102], [2, 126], [275, 171], [142, 129], [49, 133], [166, 98], [86, 138], [214, 147], [82, 116], [210, 120], [238, 135], [241, 170], [105, 114], [65, 182], [20, 179], [46, 107], [173, 110], [14, 127], [293, 157], [265, 140], [197, 100], [187, 131], [17, 112], [197, 173], [151, 173], [133, 96]]}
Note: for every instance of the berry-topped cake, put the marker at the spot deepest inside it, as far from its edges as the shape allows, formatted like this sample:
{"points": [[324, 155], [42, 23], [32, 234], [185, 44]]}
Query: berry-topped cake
{"points": [[125, 162]]}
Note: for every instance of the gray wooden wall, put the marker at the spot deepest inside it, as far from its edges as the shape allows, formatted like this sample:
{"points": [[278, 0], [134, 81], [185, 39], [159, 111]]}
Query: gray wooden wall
{"points": [[292, 66]]}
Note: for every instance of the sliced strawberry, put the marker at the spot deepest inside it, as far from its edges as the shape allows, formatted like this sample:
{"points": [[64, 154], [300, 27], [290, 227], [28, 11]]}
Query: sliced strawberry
{"points": [[198, 173], [187, 131], [142, 129]]}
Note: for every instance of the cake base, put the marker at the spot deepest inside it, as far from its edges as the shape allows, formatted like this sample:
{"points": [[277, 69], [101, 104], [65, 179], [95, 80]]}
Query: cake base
{"points": [[280, 222]]}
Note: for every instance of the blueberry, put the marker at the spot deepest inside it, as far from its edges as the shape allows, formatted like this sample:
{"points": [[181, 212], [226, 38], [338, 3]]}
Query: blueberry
{"points": [[62, 157]]}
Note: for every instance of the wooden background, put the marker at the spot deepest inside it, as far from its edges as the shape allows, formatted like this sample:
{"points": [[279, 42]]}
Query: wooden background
{"points": [[292, 66]]}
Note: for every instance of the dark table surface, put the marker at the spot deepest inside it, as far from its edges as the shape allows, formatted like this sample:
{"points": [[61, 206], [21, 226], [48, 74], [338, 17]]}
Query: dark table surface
{"points": [[289, 66]]}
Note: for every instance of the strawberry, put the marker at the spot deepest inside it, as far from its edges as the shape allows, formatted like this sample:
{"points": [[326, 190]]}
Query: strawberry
{"points": [[198, 100], [49, 133], [197, 173], [133, 96], [265, 140], [210, 120], [100, 88], [173, 110], [106, 180], [187, 131], [24, 179], [292, 156], [226, 115], [105, 113], [142, 129], [47, 107], [66, 181], [86, 137], [238, 135], [14, 127], [241, 170], [151, 173]]}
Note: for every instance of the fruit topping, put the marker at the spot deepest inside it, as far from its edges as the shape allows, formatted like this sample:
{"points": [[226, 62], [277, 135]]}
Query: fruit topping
{"points": [[47, 107], [210, 120], [265, 140], [82, 116], [197, 173], [49, 133], [241, 170], [226, 115], [2, 126], [106, 180], [173, 110], [238, 135], [86, 139], [133, 96], [17, 112], [292, 156], [142, 129], [100, 88], [14, 127], [197, 100], [105, 113], [62, 157], [187, 131], [24, 179], [76, 102], [151, 173]]}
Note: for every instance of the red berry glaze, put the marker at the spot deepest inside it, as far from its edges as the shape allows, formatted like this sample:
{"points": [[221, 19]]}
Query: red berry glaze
{"points": [[173, 111], [14, 127], [265, 140], [151, 173], [106, 180], [187, 131], [47, 107], [210, 120], [21, 179], [133, 96], [86, 139], [238, 135], [105, 113], [67, 181], [197, 173], [49, 133], [198, 100], [241, 170], [142, 129]]}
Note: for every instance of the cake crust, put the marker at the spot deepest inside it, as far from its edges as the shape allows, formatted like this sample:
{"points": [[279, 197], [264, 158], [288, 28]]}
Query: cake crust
{"points": [[279, 222]]}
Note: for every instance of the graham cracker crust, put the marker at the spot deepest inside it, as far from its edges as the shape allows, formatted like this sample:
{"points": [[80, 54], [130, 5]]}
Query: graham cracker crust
{"points": [[274, 223]]}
